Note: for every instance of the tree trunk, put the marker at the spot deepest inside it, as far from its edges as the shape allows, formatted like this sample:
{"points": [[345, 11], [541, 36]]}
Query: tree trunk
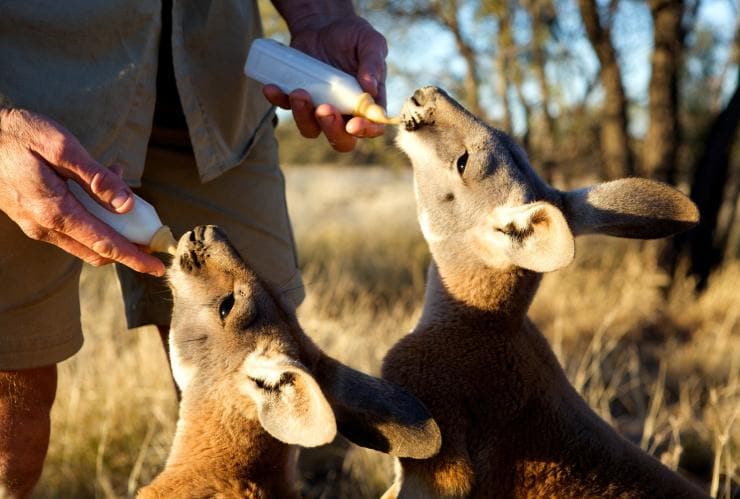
{"points": [[616, 154], [663, 134], [471, 83], [448, 14], [518, 83], [704, 243], [543, 13], [502, 59]]}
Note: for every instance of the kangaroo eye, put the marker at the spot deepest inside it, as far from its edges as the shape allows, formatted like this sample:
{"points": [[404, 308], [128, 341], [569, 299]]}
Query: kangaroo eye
{"points": [[226, 306], [462, 161]]}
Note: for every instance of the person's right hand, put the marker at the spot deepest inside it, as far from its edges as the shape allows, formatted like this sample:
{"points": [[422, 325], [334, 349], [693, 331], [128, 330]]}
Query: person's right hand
{"points": [[37, 156]]}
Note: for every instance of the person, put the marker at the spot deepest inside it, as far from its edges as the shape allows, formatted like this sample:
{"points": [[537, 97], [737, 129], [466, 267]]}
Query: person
{"points": [[152, 96]]}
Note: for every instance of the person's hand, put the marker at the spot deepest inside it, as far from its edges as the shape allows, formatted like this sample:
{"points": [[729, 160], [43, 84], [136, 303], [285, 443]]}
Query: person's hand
{"points": [[37, 156], [349, 43]]}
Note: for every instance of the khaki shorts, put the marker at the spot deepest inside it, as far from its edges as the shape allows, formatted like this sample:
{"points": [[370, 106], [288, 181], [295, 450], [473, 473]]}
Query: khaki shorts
{"points": [[39, 297]]}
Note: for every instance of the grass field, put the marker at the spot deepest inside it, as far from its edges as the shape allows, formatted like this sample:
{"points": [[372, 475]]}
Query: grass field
{"points": [[663, 370]]}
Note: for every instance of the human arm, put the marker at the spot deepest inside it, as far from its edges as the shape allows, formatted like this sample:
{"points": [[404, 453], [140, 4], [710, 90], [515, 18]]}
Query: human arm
{"points": [[37, 156], [331, 31]]}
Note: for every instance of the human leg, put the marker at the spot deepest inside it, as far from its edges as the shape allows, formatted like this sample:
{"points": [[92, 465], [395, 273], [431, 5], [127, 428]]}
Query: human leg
{"points": [[26, 398], [39, 327]]}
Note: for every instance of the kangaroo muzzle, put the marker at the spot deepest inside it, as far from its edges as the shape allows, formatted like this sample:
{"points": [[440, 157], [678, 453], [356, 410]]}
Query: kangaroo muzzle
{"points": [[418, 111]]}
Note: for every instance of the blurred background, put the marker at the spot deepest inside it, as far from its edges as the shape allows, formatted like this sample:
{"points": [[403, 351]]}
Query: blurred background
{"points": [[648, 332]]}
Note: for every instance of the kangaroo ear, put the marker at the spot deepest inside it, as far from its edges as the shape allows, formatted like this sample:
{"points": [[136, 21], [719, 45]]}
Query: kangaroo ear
{"points": [[374, 413], [290, 404], [631, 207], [533, 236]]}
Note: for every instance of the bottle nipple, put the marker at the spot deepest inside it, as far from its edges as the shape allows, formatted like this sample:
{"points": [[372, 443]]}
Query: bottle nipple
{"points": [[163, 241], [367, 108]]}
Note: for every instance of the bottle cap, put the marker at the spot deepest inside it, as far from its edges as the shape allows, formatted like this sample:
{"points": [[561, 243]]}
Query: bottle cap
{"points": [[367, 108], [163, 241]]}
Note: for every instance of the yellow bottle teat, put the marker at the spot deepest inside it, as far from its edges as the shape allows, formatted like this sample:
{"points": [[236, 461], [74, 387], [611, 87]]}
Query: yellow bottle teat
{"points": [[163, 241], [367, 108]]}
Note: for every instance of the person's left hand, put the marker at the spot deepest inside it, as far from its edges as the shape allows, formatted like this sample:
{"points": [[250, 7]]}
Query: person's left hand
{"points": [[351, 44]]}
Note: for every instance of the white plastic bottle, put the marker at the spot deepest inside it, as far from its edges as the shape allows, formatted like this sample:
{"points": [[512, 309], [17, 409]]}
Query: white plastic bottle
{"points": [[141, 225], [271, 62]]}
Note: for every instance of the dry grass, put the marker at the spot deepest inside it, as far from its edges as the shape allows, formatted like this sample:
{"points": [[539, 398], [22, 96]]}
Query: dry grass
{"points": [[663, 370]]}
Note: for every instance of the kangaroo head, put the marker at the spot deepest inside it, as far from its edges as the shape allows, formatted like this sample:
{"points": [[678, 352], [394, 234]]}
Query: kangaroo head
{"points": [[479, 200], [233, 341]]}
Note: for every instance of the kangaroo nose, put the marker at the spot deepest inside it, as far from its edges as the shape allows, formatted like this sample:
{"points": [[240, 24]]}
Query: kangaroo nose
{"points": [[423, 95]]}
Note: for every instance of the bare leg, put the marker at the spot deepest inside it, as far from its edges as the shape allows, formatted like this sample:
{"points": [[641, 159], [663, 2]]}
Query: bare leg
{"points": [[164, 335], [26, 397]]}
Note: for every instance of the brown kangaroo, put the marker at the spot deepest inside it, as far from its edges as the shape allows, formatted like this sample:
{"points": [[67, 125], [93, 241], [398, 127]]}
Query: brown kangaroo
{"points": [[512, 425], [253, 384]]}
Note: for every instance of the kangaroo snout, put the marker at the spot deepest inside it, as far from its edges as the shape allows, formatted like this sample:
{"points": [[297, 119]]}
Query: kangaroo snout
{"points": [[433, 106], [424, 95], [418, 110], [195, 247], [202, 234]]}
